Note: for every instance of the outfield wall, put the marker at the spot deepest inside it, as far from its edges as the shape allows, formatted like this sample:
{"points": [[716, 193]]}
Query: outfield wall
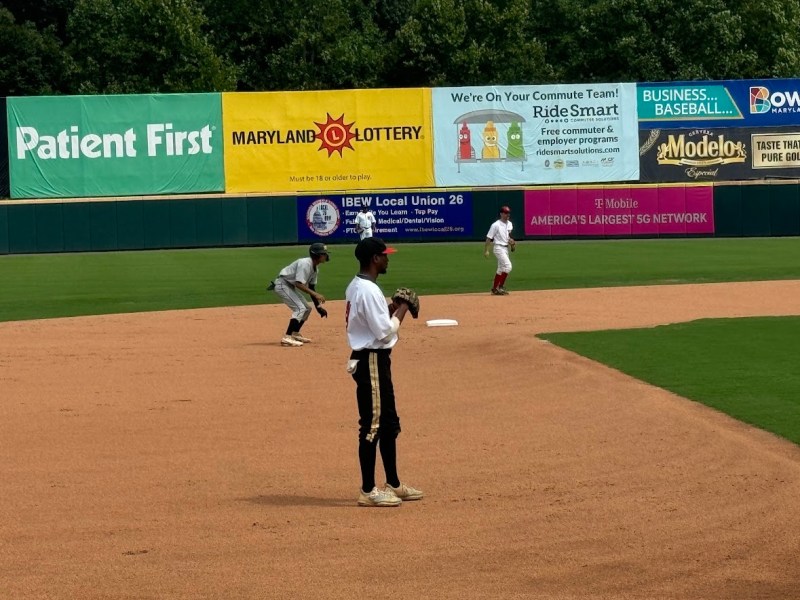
{"points": [[669, 159], [311, 142], [743, 209]]}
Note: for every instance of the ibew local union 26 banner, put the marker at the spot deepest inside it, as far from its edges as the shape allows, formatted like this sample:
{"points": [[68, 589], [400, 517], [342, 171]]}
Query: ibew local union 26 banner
{"points": [[511, 135], [64, 146], [619, 211], [398, 215], [332, 140]]}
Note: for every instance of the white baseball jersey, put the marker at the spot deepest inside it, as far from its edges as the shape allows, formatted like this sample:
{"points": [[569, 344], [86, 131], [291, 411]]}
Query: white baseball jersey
{"points": [[369, 325], [366, 221], [302, 270], [500, 232]]}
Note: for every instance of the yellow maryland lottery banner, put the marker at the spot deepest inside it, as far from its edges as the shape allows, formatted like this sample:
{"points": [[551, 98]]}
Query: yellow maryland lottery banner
{"points": [[327, 140]]}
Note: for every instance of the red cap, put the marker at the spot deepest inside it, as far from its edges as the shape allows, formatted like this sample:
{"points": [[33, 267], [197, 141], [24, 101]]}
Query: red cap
{"points": [[505, 209]]}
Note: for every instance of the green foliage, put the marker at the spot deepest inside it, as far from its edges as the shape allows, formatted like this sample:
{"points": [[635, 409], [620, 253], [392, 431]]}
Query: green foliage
{"points": [[32, 62], [771, 28], [144, 46], [148, 46], [301, 45], [470, 42], [43, 14], [644, 40], [746, 368]]}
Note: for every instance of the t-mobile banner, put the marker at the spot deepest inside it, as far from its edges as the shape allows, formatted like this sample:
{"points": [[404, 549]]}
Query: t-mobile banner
{"points": [[412, 215], [619, 211]]}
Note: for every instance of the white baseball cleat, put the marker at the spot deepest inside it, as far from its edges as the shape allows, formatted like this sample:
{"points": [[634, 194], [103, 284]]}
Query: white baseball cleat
{"points": [[290, 341], [405, 492], [378, 498], [300, 338]]}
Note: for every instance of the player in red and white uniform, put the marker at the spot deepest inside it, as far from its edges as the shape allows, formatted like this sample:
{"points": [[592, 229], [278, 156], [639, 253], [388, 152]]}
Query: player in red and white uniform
{"points": [[499, 236]]}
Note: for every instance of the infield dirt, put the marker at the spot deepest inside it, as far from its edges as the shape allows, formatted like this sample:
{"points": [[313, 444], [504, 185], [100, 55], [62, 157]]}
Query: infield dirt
{"points": [[186, 454]]}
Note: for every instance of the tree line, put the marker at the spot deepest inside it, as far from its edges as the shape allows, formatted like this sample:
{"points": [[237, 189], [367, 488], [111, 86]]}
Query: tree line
{"points": [[165, 46]]}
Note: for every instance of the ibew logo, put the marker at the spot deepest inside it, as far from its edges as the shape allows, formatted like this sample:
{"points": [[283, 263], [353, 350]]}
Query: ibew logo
{"points": [[762, 101]]}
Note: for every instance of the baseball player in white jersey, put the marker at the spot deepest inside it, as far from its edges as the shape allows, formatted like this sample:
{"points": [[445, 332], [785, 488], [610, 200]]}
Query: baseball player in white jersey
{"points": [[499, 236], [301, 276], [365, 222], [372, 326]]}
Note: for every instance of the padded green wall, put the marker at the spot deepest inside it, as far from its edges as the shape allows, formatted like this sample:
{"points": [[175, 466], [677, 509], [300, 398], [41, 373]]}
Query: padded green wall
{"points": [[486, 208], [22, 228], [757, 210], [130, 225], [740, 210], [784, 210], [3, 229], [77, 227]]}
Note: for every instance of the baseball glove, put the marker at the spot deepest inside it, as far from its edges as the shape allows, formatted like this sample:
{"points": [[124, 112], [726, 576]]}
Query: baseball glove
{"points": [[512, 245], [408, 296]]}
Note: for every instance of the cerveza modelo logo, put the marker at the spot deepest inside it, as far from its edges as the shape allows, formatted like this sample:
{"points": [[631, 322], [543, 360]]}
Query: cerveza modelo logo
{"points": [[700, 148], [333, 135], [162, 139]]}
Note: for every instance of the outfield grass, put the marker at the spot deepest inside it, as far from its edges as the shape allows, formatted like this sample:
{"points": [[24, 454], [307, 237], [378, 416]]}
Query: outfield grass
{"points": [[746, 368], [58, 285]]}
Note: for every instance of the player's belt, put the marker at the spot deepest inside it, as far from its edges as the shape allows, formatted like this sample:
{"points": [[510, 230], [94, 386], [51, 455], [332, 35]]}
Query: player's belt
{"points": [[364, 351]]}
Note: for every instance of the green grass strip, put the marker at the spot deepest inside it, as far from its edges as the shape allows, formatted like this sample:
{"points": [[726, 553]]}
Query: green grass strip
{"points": [[58, 285], [746, 368]]}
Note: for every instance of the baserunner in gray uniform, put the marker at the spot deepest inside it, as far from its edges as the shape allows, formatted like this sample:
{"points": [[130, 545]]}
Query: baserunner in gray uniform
{"points": [[301, 276]]}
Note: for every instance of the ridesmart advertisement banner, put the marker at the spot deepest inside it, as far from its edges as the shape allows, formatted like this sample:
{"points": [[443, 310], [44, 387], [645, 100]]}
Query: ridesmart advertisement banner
{"points": [[719, 154], [64, 146], [331, 140], [409, 215], [619, 211], [739, 103], [511, 135]]}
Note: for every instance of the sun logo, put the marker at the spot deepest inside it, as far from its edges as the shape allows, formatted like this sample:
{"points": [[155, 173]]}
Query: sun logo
{"points": [[335, 135]]}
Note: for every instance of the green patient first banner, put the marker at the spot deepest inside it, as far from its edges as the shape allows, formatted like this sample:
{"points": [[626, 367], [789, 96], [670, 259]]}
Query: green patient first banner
{"points": [[71, 146]]}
